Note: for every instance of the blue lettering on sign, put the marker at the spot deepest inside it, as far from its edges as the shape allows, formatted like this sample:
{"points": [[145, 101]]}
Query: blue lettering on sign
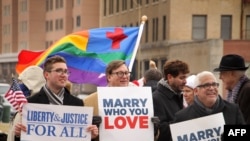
{"points": [[201, 135], [40, 116], [124, 102], [73, 132], [74, 118], [41, 130]]}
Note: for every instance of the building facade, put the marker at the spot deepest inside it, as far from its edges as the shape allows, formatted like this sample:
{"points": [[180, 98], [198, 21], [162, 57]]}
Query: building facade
{"points": [[196, 31], [37, 24], [180, 23]]}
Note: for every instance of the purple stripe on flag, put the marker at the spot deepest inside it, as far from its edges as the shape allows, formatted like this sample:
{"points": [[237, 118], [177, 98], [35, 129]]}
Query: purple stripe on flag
{"points": [[81, 76]]}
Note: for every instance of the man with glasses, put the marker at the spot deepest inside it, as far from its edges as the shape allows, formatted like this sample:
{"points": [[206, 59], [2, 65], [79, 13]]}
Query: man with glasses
{"points": [[207, 101], [54, 92], [117, 75]]}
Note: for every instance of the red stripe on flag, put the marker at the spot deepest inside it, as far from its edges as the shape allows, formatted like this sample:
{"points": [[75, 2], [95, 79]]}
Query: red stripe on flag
{"points": [[15, 96]]}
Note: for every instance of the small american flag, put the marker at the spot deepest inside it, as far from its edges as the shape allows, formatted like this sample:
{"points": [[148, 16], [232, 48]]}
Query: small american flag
{"points": [[15, 96]]}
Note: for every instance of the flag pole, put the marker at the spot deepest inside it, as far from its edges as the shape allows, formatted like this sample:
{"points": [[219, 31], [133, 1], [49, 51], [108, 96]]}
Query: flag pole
{"points": [[144, 19]]}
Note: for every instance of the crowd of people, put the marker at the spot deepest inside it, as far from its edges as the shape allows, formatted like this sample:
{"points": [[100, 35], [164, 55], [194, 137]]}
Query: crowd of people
{"points": [[177, 95]]}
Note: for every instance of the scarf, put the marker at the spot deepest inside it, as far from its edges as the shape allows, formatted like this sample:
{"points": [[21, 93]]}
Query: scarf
{"points": [[164, 83], [233, 94], [205, 109], [54, 98]]}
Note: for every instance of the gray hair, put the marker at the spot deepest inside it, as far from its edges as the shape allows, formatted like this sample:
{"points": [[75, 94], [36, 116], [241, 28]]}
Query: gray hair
{"points": [[199, 76]]}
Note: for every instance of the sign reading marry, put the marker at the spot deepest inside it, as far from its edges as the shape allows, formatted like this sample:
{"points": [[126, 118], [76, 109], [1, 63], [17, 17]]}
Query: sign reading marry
{"points": [[126, 113], [208, 128], [56, 122]]}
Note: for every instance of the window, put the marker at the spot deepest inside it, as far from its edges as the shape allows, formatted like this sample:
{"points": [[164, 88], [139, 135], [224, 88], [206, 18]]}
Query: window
{"points": [[61, 23], [146, 65], [78, 2], [155, 29], [47, 26], [6, 10], [104, 7], [6, 29], [139, 2], [6, 48], [23, 6], [51, 5], [22, 45], [124, 5], [248, 27], [23, 26], [164, 27], [78, 21], [50, 25], [131, 4], [199, 27], [59, 4], [226, 27], [146, 31], [57, 24], [117, 5], [111, 6]]}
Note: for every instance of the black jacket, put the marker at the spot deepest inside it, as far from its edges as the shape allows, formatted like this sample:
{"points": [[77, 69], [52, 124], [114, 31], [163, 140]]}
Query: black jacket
{"points": [[166, 104]]}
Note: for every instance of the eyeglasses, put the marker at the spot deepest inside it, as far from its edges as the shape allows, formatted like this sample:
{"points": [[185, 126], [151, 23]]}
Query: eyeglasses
{"points": [[121, 74], [209, 85], [60, 71]]}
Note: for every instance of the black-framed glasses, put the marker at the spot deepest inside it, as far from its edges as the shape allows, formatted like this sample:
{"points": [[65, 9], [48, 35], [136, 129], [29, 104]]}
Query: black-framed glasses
{"points": [[61, 71], [209, 85], [121, 73]]}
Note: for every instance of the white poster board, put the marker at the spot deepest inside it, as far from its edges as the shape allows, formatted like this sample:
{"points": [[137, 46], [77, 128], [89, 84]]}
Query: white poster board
{"points": [[56, 122], [208, 128], [126, 113]]}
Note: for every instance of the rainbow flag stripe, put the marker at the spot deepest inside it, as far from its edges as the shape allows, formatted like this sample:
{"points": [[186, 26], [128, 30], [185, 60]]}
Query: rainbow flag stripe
{"points": [[87, 53]]}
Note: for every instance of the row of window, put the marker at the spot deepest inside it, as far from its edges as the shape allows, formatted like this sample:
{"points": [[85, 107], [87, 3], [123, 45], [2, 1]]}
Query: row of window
{"points": [[58, 4], [58, 25], [124, 5], [199, 28], [22, 8], [50, 4]]}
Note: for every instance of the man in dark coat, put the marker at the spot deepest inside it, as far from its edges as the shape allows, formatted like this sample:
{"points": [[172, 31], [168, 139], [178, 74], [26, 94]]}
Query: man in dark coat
{"points": [[167, 98], [232, 72], [207, 101], [54, 92]]}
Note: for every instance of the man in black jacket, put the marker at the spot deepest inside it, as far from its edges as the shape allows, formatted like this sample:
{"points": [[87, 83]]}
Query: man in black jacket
{"points": [[54, 92], [207, 101], [167, 98]]}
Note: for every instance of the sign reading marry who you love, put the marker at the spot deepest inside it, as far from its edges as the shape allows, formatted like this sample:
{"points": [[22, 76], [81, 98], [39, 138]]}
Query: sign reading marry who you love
{"points": [[207, 128], [56, 122], [126, 113]]}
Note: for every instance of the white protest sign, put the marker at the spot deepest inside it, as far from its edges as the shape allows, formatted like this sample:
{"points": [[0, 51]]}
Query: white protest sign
{"points": [[56, 122], [126, 113], [208, 128]]}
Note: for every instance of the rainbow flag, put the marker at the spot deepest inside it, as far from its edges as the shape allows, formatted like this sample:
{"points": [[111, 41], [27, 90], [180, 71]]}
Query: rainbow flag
{"points": [[87, 53]]}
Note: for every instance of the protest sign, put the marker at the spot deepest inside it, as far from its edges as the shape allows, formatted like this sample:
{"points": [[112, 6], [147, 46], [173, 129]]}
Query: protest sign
{"points": [[126, 113], [208, 128], [56, 122]]}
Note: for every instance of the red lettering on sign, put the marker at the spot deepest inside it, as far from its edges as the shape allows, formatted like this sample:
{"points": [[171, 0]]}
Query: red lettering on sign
{"points": [[121, 122]]}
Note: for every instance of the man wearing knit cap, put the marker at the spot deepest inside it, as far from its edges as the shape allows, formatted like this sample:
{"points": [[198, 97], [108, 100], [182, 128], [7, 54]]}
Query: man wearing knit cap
{"points": [[232, 72], [188, 91]]}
